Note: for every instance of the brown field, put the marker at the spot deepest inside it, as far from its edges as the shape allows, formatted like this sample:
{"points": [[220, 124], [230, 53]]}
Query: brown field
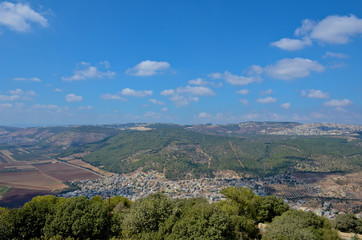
{"points": [[30, 180], [7, 155], [83, 164], [16, 197], [65, 172]]}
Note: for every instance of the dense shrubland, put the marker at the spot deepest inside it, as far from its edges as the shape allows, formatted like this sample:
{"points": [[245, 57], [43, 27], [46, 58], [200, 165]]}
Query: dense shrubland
{"points": [[159, 217]]}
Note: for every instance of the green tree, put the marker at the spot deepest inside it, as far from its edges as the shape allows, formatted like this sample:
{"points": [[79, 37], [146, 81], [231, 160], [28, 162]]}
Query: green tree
{"points": [[203, 221], [348, 223], [301, 225], [79, 218], [270, 207], [144, 218]]}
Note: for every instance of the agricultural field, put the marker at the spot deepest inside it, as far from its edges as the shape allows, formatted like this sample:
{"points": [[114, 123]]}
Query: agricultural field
{"points": [[21, 181]]}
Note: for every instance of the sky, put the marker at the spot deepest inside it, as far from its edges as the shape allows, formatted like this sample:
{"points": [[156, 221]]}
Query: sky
{"points": [[186, 62]]}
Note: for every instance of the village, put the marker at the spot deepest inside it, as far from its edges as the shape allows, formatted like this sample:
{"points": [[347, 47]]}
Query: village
{"points": [[138, 185]]}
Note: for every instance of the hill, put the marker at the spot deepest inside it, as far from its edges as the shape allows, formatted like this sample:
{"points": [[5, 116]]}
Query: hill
{"points": [[181, 152]]}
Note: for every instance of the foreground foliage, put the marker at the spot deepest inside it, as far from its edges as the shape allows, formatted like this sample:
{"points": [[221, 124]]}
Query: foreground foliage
{"points": [[158, 217]]}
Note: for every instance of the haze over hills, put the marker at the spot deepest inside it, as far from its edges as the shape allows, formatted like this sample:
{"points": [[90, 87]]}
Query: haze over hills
{"points": [[183, 151], [39, 160]]}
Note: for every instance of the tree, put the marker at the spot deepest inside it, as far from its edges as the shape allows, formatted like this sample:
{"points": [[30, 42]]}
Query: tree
{"points": [[203, 221], [301, 225], [144, 218], [270, 207], [79, 218], [348, 223]]}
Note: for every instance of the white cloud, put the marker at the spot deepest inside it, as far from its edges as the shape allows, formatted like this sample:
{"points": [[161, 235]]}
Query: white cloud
{"points": [[333, 29], [266, 92], [34, 79], [198, 91], [289, 69], [243, 91], [18, 94], [313, 93], [18, 17], [285, 105], [182, 101], [168, 92], [109, 96], [337, 29], [134, 93], [338, 103], [235, 79], [148, 68], [291, 44], [46, 106], [85, 107], [85, 70], [58, 90], [244, 102], [156, 102], [202, 82], [73, 98], [5, 106], [165, 109], [183, 96], [255, 70], [9, 98], [266, 100], [204, 115], [335, 55], [198, 81]]}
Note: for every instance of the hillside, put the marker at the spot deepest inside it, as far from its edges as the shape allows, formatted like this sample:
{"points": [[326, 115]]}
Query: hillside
{"points": [[181, 153]]}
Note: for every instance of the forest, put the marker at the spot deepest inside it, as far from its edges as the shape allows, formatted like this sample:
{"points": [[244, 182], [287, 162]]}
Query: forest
{"points": [[158, 217]]}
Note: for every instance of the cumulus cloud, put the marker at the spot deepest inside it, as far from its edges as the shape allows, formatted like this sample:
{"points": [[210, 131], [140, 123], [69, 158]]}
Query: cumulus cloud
{"points": [[333, 29], [313, 93], [85, 71], [266, 92], [85, 107], [337, 29], [285, 105], [183, 96], [18, 94], [34, 79], [156, 102], [243, 91], [46, 106], [291, 44], [109, 96], [18, 17], [73, 98], [235, 79], [338, 103], [266, 100], [244, 102], [335, 55], [202, 82], [290, 68], [148, 68], [134, 93], [204, 115]]}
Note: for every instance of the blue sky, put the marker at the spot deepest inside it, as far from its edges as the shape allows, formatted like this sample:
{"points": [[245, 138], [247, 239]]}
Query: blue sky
{"points": [[95, 62]]}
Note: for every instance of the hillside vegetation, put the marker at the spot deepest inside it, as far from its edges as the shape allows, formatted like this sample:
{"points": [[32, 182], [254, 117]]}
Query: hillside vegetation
{"points": [[182, 153], [157, 217]]}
